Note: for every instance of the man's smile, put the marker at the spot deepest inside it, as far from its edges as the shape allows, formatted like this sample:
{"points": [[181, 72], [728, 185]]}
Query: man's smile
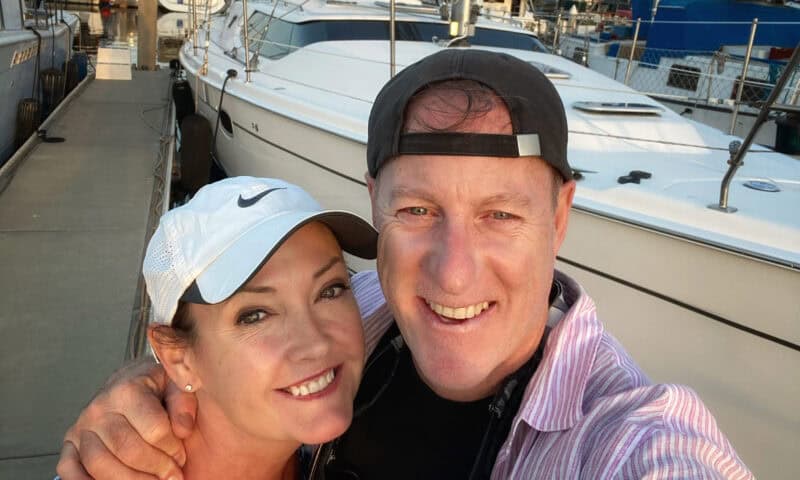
{"points": [[458, 313]]}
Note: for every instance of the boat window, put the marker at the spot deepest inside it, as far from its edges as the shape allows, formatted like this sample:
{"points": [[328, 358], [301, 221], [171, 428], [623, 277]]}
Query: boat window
{"points": [[755, 89], [283, 34], [276, 41], [580, 55], [684, 77], [255, 28]]}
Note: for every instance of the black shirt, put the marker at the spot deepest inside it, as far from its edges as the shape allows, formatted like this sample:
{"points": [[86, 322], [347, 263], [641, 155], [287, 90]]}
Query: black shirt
{"points": [[409, 432]]}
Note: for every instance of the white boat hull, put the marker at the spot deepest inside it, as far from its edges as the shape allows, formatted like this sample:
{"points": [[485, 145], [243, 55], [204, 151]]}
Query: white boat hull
{"points": [[18, 55]]}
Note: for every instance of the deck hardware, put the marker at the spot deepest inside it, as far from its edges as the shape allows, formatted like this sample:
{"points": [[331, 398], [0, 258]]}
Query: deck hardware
{"points": [[735, 161], [762, 186], [738, 149], [627, 108], [634, 176]]}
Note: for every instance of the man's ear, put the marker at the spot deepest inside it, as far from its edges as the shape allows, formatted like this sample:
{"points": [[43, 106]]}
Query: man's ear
{"points": [[565, 196], [175, 355]]}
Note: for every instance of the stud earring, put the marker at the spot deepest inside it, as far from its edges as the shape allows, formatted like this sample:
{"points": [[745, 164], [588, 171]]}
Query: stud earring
{"points": [[188, 387]]}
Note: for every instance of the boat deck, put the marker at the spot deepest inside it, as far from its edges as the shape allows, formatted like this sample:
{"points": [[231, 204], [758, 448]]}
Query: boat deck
{"points": [[73, 222]]}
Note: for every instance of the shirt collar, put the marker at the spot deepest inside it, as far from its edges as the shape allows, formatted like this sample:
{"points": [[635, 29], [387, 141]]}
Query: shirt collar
{"points": [[554, 398]]}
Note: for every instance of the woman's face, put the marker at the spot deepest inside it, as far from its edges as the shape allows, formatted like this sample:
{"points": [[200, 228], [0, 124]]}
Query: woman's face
{"points": [[282, 358]]}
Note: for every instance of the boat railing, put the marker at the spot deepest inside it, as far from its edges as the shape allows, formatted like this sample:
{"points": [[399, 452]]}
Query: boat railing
{"points": [[710, 77]]}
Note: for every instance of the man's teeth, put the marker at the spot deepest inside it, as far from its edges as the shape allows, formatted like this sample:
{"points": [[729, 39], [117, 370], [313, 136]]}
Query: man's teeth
{"points": [[459, 313], [312, 386]]}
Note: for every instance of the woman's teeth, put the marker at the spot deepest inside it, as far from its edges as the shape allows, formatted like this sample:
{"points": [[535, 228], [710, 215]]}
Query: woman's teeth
{"points": [[312, 386], [458, 313]]}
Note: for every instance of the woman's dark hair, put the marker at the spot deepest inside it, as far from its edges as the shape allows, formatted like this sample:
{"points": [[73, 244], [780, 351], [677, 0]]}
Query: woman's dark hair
{"points": [[182, 331]]}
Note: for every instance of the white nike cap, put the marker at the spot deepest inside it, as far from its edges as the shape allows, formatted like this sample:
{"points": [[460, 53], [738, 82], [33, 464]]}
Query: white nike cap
{"points": [[203, 251]]}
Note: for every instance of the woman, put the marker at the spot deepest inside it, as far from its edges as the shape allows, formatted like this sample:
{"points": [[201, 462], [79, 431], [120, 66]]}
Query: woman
{"points": [[253, 313]]}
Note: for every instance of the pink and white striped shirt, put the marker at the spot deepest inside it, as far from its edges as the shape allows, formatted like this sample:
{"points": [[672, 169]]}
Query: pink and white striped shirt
{"points": [[588, 411]]}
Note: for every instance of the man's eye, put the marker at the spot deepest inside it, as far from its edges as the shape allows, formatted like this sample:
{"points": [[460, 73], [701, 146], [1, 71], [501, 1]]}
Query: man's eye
{"points": [[251, 317], [333, 291], [502, 216], [419, 211]]}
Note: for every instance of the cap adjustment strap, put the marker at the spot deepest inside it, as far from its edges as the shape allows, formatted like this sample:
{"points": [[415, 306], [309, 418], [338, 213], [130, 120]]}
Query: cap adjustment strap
{"points": [[472, 144]]}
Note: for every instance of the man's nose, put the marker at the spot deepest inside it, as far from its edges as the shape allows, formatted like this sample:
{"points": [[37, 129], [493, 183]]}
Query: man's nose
{"points": [[451, 259], [305, 337]]}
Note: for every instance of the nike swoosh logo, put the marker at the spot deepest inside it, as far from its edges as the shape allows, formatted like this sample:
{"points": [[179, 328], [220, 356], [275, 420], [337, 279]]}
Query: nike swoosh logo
{"points": [[249, 202]]}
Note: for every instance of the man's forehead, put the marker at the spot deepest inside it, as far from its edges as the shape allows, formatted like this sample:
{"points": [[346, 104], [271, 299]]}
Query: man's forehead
{"points": [[458, 109]]}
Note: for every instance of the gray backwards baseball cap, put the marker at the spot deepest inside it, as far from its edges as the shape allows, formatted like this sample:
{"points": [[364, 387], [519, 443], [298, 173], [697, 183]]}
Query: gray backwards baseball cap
{"points": [[538, 120]]}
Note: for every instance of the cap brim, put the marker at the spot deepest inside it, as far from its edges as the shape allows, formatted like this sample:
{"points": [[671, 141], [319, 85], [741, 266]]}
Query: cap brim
{"points": [[242, 259]]}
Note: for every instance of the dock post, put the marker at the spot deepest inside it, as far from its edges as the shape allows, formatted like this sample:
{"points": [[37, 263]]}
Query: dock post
{"points": [[633, 51], [148, 38], [743, 78]]}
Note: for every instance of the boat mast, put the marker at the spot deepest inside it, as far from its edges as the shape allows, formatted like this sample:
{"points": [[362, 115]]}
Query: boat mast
{"points": [[392, 16]]}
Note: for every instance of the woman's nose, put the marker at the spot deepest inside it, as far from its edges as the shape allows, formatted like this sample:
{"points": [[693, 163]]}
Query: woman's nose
{"points": [[307, 341]]}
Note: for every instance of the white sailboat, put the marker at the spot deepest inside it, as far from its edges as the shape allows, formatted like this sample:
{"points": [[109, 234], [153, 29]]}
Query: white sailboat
{"points": [[698, 296], [27, 47]]}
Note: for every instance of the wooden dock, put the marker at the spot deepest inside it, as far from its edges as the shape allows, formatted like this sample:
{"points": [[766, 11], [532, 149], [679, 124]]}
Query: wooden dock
{"points": [[74, 217]]}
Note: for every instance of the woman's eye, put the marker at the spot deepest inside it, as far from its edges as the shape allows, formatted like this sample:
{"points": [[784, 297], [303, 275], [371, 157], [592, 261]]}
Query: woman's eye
{"points": [[333, 291], [251, 317]]}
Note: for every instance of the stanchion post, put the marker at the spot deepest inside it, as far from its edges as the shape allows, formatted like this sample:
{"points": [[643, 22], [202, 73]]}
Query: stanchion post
{"points": [[633, 51], [743, 78], [246, 44]]}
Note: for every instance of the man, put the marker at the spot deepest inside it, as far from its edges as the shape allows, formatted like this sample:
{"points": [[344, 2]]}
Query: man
{"points": [[485, 363]]}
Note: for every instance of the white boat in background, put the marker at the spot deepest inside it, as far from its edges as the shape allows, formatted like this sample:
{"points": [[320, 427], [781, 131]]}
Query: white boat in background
{"points": [[28, 46], [213, 6], [690, 56], [173, 25], [698, 296]]}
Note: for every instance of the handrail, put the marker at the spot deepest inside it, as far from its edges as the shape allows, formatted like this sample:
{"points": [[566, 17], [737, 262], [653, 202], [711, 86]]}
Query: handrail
{"points": [[739, 150]]}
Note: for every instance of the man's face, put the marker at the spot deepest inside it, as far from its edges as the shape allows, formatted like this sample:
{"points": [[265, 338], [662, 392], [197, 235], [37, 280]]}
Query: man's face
{"points": [[465, 257], [468, 237]]}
